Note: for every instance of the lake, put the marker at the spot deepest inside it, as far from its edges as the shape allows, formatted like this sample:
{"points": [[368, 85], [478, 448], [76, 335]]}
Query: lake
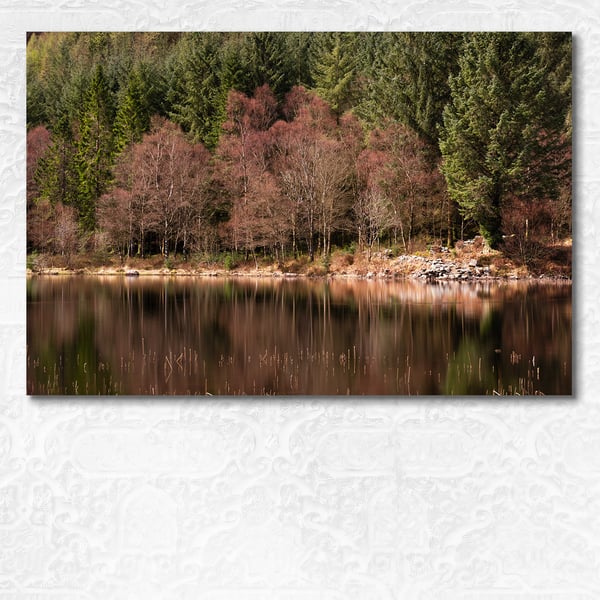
{"points": [[222, 336]]}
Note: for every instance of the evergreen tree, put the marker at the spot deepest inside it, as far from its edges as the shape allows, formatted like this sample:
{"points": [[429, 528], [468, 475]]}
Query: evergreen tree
{"points": [[135, 110], [410, 79], [334, 70], [269, 62], [370, 52], [503, 129], [298, 49], [196, 92], [36, 97], [555, 50], [95, 149], [56, 79], [56, 174]]}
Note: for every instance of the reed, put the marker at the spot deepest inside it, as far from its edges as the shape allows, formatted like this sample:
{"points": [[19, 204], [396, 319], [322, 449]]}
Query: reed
{"points": [[270, 371]]}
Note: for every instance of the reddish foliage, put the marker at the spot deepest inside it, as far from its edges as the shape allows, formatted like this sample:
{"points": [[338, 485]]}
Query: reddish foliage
{"points": [[245, 172], [38, 141], [40, 225], [65, 230], [162, 189], [117, 218], [398, 166], [245, 114], [314, 166]]}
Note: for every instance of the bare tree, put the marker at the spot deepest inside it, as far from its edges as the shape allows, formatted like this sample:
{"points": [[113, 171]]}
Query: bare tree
{"points": [[65, 230], [410, 180], [117, 218], [162, 189], [40, 225], [314, 168], [245, 152]]}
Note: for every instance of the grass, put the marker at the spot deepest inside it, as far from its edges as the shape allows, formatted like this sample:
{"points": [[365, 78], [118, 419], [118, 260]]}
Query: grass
{"points": [[272, 371], [555, 261]]}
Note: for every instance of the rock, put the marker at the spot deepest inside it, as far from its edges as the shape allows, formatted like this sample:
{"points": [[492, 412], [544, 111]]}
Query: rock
{"points": [[132, 273]]}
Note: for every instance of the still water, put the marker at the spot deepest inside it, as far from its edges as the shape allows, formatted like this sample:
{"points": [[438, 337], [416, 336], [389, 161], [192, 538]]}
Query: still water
{"points": [[154, 335]]}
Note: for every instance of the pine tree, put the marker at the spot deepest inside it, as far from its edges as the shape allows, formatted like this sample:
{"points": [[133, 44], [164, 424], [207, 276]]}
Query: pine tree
{"points": [[410, 79], [297, 46], [334, 70], [502, 134], [196, 91], [266, 62], [95, 149], [555, 50], [56, 174], [56, 78], [133, 115]]}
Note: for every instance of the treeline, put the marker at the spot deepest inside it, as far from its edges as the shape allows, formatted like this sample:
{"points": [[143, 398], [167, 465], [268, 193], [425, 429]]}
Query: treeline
{"points": [[290, 143]]}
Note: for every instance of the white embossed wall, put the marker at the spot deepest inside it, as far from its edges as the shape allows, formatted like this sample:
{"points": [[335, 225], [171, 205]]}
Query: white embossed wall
{"points": [[303, 498]]}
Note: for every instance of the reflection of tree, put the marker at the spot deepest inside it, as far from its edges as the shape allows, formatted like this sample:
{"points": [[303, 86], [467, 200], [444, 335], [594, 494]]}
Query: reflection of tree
{"points": [[475, 367], [522, 347], [178, 336], [67, 359]]}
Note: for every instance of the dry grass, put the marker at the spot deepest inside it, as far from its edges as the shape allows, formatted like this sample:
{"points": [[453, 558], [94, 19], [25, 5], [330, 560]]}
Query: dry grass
{"points": [[555, 260]]}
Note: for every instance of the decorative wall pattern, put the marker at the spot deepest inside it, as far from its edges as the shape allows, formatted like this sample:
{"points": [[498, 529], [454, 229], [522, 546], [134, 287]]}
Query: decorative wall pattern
{"points": [[299, 499]]}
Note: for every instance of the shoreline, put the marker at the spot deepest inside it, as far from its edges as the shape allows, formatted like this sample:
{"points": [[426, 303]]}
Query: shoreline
{"points": [[468, 261], [432, 270]]}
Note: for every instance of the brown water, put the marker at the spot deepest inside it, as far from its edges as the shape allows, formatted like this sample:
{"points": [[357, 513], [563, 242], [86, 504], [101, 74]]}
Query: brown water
{"points": [[117, 335]]}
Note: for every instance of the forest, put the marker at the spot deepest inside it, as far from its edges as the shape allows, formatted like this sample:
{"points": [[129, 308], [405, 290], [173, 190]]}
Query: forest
{"points": [[273, 145]]}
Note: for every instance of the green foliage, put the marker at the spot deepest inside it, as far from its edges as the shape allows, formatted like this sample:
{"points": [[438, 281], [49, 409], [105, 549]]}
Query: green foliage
{"points": [[135, 108], [298, 47], [409, 79], [36, 102], [198, 86], [95, 148], [503, 129], [208, 65], [502, 121], [334, 70], [351, 247], [555, 54], [229, 262], [56, 173], [267, 62], [32, 261]]}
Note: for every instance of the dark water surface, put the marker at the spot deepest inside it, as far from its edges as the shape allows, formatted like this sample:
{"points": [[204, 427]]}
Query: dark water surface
{"points": [[166, 335]]}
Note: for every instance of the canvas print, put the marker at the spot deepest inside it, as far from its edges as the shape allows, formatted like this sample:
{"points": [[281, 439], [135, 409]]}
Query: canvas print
{"points": [[299, 213]]}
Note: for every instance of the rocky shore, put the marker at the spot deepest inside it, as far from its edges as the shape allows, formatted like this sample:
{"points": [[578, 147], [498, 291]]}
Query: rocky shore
{"points": [[469, 260], [402, 267]]}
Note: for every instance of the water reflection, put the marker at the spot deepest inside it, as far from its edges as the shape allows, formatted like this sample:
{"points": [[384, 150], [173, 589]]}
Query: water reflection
{"points": [[95, 335]]}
